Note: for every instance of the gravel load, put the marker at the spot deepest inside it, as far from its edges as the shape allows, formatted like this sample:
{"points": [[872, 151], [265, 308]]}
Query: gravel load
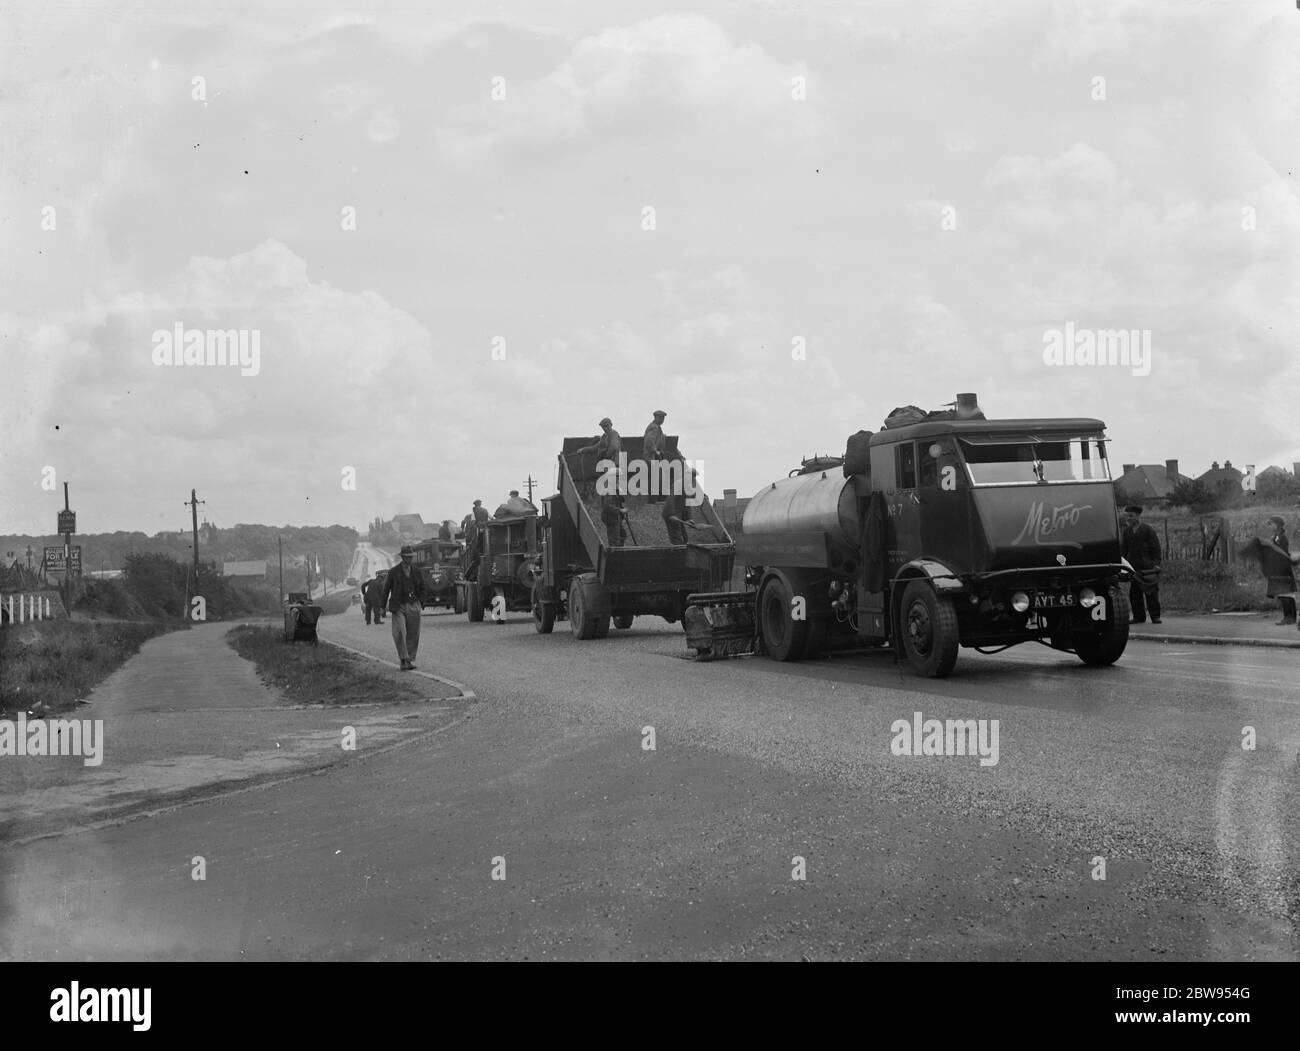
{"points": [[647, 523]]}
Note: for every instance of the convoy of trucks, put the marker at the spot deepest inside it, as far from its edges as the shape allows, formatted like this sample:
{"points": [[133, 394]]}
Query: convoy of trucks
{"points": [[941, 531]]}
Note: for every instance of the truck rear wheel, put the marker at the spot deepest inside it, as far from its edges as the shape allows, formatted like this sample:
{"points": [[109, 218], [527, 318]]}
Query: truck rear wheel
{"points": [[474, 602], [585, 604], [1106, 646], [928, 625], [784, 638]]}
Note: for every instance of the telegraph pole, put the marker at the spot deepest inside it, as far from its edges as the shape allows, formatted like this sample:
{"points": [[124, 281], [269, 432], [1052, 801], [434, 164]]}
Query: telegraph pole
{"points": [[279, 544], [530, 482], [193, 502]]}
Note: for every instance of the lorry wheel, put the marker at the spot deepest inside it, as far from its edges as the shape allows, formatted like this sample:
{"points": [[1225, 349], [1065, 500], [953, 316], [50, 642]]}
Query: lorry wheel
{"points": [[584, 600], [784, 638], [543, 613], [474, 601], [623, 621], [929, 629], [458, 601], [1106, 646]]}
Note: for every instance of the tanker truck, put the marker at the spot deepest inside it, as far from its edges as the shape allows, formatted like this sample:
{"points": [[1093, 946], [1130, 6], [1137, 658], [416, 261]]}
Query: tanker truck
{"points": [[950, 530]]}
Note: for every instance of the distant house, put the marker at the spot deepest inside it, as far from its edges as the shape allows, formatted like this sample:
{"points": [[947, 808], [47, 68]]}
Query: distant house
{"points": [[412, 526], [244, 569], [1149, 484], [1218, 479]]}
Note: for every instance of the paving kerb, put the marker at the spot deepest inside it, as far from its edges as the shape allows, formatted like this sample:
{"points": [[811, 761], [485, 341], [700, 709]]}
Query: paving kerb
{"points": [[1212, 640]]}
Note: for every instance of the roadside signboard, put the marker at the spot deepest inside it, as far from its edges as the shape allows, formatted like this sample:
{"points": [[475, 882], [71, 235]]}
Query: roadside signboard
{"points": [[67, 521], [54, 559]]}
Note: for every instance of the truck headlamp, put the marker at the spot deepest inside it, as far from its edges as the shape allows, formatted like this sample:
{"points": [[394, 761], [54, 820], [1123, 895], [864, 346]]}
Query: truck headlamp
{"points": [[1020, 602], [1087, 598]]}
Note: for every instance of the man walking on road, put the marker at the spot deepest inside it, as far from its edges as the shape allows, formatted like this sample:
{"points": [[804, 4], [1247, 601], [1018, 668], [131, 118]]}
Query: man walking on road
{"points": [[375, 598], [403, 595], [1139, 544]]}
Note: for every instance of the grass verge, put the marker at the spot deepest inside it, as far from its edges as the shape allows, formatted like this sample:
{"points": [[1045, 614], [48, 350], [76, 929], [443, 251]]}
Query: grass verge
{"points": [[1212, 587], [321, 674], [50, 665]]}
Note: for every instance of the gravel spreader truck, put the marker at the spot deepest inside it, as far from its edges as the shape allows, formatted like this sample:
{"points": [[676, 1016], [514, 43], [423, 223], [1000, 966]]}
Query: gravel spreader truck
{"points": [[581, 578], [942, 530]]}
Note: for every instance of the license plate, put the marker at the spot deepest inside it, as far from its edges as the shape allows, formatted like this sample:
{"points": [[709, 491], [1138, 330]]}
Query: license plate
{"points": [[1053, 601]]}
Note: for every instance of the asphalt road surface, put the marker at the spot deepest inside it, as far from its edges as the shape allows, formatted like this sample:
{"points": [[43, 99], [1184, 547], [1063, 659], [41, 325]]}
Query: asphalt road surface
{"points": [[760, 772]]}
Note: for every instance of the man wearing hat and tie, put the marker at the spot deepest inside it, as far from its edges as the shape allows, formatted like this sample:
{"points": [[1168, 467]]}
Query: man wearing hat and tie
{"points": [[1139, 544], [404, 595]]}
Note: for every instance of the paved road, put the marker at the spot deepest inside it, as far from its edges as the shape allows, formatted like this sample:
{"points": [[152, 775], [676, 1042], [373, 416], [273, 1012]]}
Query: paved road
{"points": [[614, 851]]}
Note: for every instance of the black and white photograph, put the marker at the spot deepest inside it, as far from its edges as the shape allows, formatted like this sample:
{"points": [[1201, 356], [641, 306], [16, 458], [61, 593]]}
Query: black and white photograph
{"points": [[760, 481]]}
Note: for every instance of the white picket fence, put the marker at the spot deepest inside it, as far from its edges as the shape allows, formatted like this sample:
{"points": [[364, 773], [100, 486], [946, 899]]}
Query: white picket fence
{"points": [[23, 607]]}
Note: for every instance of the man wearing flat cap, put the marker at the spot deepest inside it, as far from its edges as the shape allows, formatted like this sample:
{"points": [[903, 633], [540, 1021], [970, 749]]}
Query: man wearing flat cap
{"points": [[1139, 544], [404, 597], [655, 447], [606, 447]]}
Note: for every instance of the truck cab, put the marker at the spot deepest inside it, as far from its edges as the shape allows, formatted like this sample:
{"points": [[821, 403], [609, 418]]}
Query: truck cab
{"points": [[1008, 527]]}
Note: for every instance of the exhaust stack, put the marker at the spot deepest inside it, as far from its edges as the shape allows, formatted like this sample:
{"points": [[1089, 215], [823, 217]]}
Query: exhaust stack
{"points": [[968, 407]]}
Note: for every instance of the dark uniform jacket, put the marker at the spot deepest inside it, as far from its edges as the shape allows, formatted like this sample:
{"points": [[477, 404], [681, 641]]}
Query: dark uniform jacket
{"points": [[401, 587], [1141, 547], [1277, 570]]}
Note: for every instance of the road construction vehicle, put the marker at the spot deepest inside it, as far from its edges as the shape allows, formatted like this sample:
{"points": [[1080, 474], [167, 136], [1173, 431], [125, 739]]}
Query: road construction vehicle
{"points": [[497, 567], [949, 530], [439, 561], [581, 577]]}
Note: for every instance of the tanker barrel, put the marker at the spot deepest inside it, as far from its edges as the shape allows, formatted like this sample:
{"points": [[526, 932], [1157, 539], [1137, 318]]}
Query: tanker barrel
{"points": [[806, 503]]}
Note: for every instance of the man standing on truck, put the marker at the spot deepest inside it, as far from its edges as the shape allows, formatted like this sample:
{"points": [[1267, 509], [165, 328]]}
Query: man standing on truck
{"points": [[655, 446], [404, 597], [613, 510], [1139, 544], [677, 513]]}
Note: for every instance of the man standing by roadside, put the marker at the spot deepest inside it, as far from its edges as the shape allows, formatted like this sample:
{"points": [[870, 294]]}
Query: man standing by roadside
{"points": [[1276, 564], [1139, 544], [403, 595]]}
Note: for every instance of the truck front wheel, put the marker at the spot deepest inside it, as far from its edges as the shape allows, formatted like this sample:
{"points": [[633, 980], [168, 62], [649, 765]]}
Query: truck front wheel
{"points": [[928, 625], [1106, 646]]}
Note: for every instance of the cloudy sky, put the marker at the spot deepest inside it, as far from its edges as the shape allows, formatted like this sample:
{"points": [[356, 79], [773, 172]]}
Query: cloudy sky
{"points": [[461, 234]]}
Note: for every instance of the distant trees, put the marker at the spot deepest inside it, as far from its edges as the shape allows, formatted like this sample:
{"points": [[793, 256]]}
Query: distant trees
{"points": [[1194, 495]]}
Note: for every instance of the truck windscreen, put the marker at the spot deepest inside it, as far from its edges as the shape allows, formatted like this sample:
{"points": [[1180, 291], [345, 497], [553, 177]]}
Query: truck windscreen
{"points": [[1033, 461]]}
